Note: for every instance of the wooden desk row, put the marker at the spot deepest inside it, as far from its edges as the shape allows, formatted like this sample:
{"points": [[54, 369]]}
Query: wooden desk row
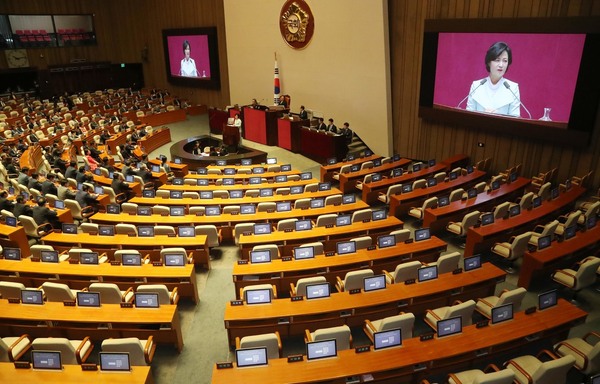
{"points": [[539, 264], [73, 374], [53, 319], [482, 237], [400, 204], [103, 180], [282, 273], [348, 180], [239, 185], [293, 317], [436, 219], [77, 276], [328, 236], [156, 139], [65, 241], [179, 170], [417, 360], [244, 176]]}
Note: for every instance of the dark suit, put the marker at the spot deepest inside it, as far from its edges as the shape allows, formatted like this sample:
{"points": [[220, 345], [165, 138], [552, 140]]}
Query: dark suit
{"points": [[332, 128], [322, 127], [119, 186], [22, 209], [84, 199], [43, 215], [49, 187], [6, 204], [71, 172], [33, 183], [303, 114]]}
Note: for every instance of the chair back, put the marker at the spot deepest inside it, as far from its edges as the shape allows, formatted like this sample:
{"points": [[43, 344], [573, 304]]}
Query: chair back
{"points": [[401, 235], [268, 340], [362, 242], [544, 191], [125, 229], [75, 253], [553, 371], [282, 225], [240, 228], [470, 219], [341, 335], [586, 274], [10, 289], [211, 233], [406, 271], [272, 248], [354, 279], [164, 297], [109, 292], [36, 249], [456, 194], [118, 255], [30, 226], [361, 214], [448, 263], [404, 321], [519, 245], [160, 210], [324, 220], [514, 296], [131, 345], [464, 310], [317, 245], [57, 292], [418, 184], [129, 208], [501, 210], [504, 376], [302, 203], [164, 230], [303, 282], [572, 219], [333, 200], [60, 344], [550, 228]]}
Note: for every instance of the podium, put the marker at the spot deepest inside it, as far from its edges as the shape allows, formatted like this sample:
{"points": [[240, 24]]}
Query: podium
{"points": [[260, 126], [231, 135]]}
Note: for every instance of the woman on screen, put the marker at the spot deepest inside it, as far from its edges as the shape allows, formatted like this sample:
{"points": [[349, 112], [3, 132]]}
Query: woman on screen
{"points": [[188, 65], [495, 94]]}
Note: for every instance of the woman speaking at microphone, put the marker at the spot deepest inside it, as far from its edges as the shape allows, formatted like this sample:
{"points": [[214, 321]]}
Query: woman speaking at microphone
{"points": [[495, 94]]}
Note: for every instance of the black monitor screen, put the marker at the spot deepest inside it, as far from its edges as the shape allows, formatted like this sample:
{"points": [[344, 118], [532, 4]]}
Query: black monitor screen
{"points": [[449, 327], [175, 260], [502, 313], [554, 193], [315, 291], [257, 296], [221, 163], [262, 229], [443, 201], [249, 357], [331, 160], [431, 182], [472, 262], [156, 168], [49, 256], [69, 228], [246, 161], [321, 349], [266, 192], [213, 210], [146, 300], [514, 210], [178, 181], [89, 258], [186, 231], [144, 211], [544, 242], [98, 190], [536, 202], [306, 175], [206, 194], [46, 360], [88, 299], [258, 170], [379, 214], [348, 199], [487, 219], [176, 194], [106, 230], [317, 203], [374, 283], [228, 181], [131, 259], [113, 208], [427, 273], [11, 221], [416, 167], [422, 234], [377, 162], [547, 299], [406, 188], [114, 362], [59, 204], [471, 193], [254, 180], [397, 172], [324, 186], [177, 160], [342, 220], [271, 160], [296, 189], [376, 177], [262, 256], [307, 252], [280, 178], [303, 225], [452, 175], [345, 247], [32, 296], [495, 185], [12, 254], [202, 182], [386, 241], [387, 339], [570, 232], [247, 209], [286, 168], [236, 194], [591, 222], [177, 211]]}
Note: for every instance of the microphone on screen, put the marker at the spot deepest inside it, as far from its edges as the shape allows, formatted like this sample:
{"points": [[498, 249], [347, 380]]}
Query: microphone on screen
{"points": [[515, 95], [483, 81]]}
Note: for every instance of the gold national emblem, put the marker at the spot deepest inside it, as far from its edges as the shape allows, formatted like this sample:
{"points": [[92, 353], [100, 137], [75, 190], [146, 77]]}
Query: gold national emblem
{"points": [[296, 23]]}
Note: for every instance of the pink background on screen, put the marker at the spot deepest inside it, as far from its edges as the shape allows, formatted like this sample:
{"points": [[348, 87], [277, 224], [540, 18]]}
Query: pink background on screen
{"points": [[199, 52], [544, 65]]}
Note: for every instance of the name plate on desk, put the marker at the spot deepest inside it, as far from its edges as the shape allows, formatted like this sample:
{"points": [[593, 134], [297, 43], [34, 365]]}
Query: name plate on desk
{"points": [[69, 303], [295, 358], [297, 298], [236, 302], [409, 281], [530, 310], [14, 300], [354, 291], [225, 365], [329, 226], [288, 230], [248, 233], [286, 258], [131, 235], [408, 241], [22, 365], [34, 259], [115, 262], [371, 248], [482, 324], [157, 263], [171, 235], [457, 271], [329, 253], [363, 348], [73, 261], [126, 304], [89, 367], [426, 336], [242, 262], [366, 221]]}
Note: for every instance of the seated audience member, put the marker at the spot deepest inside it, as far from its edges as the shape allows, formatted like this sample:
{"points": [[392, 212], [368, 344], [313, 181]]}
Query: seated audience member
{"points": [[4, 202], [42, 214], [63, 191], [120, 186], [85, 198], [21, 208], [34, 182], [71, 171], [347, 133], [303, 114], [331, 127], [91, 161], [81, 176], [23, 178], [48, 185], [144, 173]]}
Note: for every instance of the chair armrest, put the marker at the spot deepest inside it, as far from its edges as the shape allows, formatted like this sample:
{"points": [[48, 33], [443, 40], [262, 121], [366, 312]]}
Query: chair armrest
{"points": [[220, 235], [425, 381], [491, 368], [307, 336], [82, 359], [485, 302], [190, 257], [575, 351], [454, 378], [538, 229], [274, 291], [339, 284], [174, 296], [388, 277], [433, 314], [146, 259], [44, 229], [129, 290], [237, 342], [370, 325], [591, 334], [149, 350], [87, 211], [521, 370], [279, 346], [292, 289], [565, 273], [15, 344], [456, 302], [545, 352]]}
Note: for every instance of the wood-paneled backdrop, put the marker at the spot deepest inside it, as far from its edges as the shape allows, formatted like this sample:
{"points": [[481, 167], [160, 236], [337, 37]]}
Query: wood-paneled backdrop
{"points": [[421, 139], [124, 28]]}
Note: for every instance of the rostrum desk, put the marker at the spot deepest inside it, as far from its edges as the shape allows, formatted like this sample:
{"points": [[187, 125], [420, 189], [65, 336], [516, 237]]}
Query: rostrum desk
{"points": [[417, 360]]}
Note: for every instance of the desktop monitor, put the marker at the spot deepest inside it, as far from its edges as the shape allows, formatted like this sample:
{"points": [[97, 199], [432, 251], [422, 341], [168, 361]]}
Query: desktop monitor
{"points": [[202, 182], [331, 161], [547, 299], [32, 296], [177, 211], [202, 171], [129, 178], [386, 241], [544, 242], [368, 153], [46, 360], [296, 190], [443, 201], [247, 209], [49, 256], [177, 160], [349, 198], [321, 349], [69, 228], [324, 186], [301, 253], [422, 234], [186, 231], [303, 225], [59, 204], [514, 210], [470, 169], [11, 191], [221, 163], [502, 313], [254, 180], [265, 192], [111, 175], [229, 171], [258, 170], [280, 178], [10, 221], [262, 228], [406, 188], [568, 184], [12, 254], [155, 168], [88, 258], [487, 219], [570, 231], [228, 181], [88, 299], [271, 160], [176, 194], [317, 203], [283, 206], [213, 210], [377, 162], [427, 273], [495, 185], [114, 209], [316, 291], [591, 222], [431, 163], [25, 195], [286, 167], [471, 263], [452, 175], [145, 231], [98, 190], [397, 172], [554, 192], [236, 194], [106, 230], [374, 283], [343, 220], [97, 172], [345, 247], [378, 214], [262, 256], [449, 327], [595, 379], [80, 186], [146, 300], [246, 162], [257, 296], [114, 362], [536, 202], [416, 167], [206, 194], [131, 259], [513, 176], [306, 175], [144, 211], [250, 357], [471, 193], [174, 259], [387, 339], [376, 177], [431, 182]]}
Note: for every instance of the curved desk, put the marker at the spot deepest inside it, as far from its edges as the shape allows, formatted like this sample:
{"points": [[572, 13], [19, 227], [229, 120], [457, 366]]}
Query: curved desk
{"points": [[73, 374]]}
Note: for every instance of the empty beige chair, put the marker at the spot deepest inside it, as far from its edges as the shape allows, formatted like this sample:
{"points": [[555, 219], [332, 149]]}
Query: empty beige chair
{"points": [[241, 228], [244, 171], [59, 292], [72, 352], [333, 200], [544, 191], [141, 352], [447, 263], [274, 168], [213, 235], [404, 321], [590, 212], [164, 230], [118, 255], [220, 194], [312, 187], [266, 206], [79, 214], [176, 251], [163, 194], [13, 348], [189, 181], [462, 309], [419, 212], [272, 248], [341, 334], [581, 278], [299, 289], [125, 229], [418, 184], [75, 254], [190, 195], [35, 193], [272, 290], [231, 209], [252, 193], [212, 171], [362, 214], [460, 229], [513, 249], [362, 242], [344, 169], [271, 341], [197, 210], [89, 227], [353, 280], [515, 296], [284, 191], [586, 352], [161, 210], [566, 221], [541, 231], [456, 194], [110, 293], [526, 201], [392, 190], [401, 235], [10, 289], [36, 250], [476, 376], [367, 165], [302, 204], [325, 220], [317, 246], [286, 224], [530, 370], [403, 271], [501, 210], [32, 230], [129, 208], [165, 297], [440, 177]]}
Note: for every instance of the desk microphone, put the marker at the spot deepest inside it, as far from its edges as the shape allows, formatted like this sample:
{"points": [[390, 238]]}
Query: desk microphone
{"points": [[515, 95], [483, 81]]}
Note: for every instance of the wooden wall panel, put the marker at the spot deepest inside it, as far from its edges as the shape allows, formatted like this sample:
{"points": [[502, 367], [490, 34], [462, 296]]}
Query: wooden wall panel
{"points": [[421, 139]]}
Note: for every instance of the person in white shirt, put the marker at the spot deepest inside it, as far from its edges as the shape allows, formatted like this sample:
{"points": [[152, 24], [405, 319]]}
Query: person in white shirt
{"points": [[496, 94], [237, 122], [188, 65]]}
